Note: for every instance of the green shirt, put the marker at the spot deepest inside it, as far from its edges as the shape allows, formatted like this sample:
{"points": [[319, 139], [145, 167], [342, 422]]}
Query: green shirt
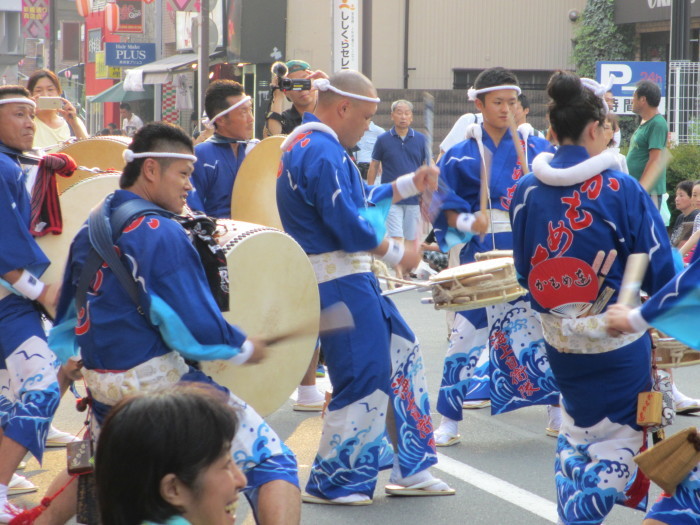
{"points": [[652, 134]]}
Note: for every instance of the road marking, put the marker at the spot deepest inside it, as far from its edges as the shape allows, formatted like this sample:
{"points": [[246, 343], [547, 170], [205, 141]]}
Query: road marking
{"points": [[500, 488]]}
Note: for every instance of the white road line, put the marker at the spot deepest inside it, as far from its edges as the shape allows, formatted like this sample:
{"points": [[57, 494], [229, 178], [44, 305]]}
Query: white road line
{"points": [[496, 486]]}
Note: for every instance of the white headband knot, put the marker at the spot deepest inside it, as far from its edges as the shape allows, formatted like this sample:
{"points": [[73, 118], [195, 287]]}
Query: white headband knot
{"points": [[473, 93], [323, 84], [130, 156], [599, 90], [210, 122], [18, 100]]}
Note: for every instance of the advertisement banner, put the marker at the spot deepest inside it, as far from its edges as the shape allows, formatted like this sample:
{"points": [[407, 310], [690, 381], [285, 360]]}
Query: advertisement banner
{"points": [[130, 16], [102, 70], [625, 77], [129, 55], [35, 18], [94, 43], [346, 34]]}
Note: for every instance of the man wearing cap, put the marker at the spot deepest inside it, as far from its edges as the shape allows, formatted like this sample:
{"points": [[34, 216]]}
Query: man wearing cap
{"points": [[339, 222], [220, 157], [278, 122], [489, 148], [29, 392]]}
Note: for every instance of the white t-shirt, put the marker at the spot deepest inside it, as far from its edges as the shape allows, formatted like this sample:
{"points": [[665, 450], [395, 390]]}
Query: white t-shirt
{"points": [[459, 131], [131, 125]]}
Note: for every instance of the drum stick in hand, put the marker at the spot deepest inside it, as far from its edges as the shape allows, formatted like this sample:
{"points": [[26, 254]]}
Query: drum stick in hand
{"points": [[632, 279], [516, 142], [335, 318]]}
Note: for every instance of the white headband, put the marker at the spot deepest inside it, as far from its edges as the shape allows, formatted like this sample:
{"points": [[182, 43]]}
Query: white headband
{"points": [[599, 90], [18, 100], [472, 93], [323, 84], [210, 123], [129, 155]]}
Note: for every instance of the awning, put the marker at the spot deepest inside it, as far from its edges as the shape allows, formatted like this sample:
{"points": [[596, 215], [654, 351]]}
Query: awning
{"points": [[160, 71], [116, 93]]}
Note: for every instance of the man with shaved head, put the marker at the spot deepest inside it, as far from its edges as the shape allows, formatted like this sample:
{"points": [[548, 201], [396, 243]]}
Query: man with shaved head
{"points": [[376, 369]]}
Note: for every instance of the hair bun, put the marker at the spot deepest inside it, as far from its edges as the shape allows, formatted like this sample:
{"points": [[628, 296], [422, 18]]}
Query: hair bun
{"points": [[564, 87]]}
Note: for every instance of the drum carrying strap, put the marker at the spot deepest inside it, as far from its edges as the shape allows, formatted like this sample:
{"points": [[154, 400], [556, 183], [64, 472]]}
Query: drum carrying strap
{"points": [[102, 226]]}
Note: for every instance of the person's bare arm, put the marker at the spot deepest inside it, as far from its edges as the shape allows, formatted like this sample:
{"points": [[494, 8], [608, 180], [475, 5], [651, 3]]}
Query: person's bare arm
{"points": [[372, 171], [690, 243], [652, 170]]}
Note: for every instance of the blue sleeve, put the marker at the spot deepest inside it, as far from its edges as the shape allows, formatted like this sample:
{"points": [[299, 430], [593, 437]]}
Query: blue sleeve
{"points": [[332, 195], [675, 309], [378, 150], [518, 226], [19, 249], [450, 174], [201, 183]]}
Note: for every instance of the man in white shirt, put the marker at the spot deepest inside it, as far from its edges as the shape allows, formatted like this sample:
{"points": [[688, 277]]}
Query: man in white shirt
{"points": [[130, 122]]}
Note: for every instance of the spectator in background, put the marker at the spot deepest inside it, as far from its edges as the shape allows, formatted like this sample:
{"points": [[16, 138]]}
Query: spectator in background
{"points": [[363, 155], [520, 113], [278, 122], [612, 106], [53, 126], [112, 128], [131, 123], [687, 209], [399, 151], [645, 156]]}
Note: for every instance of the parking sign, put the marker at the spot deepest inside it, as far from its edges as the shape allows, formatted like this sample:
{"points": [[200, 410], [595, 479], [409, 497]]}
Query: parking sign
{"points": [[625, 77]]}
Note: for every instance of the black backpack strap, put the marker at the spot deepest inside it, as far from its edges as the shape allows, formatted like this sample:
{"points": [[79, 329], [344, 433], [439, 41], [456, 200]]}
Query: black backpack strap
{"points": [[102, 226]]}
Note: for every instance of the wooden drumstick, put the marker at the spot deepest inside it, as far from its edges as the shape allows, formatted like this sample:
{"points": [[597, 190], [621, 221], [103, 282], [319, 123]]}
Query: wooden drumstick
{"points": [[609, 260], [516, 142], [632, 279], [337, 317], [598, 261]]}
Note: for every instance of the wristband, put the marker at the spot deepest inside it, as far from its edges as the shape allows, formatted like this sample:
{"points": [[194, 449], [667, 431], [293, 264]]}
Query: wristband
{"points": [[465, 221], [406, 187], [29, 286], [394, 253], [275, 116], [637, 321], [245, 353]]}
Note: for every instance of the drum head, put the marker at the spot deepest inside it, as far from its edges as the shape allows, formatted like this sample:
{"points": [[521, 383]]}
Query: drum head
{"points": [[76, 203], [273, 291], [104, 153], [254, 196]]}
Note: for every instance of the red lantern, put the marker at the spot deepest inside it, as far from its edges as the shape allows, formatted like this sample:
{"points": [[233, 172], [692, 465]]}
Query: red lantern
{"points": [[112, 17], [84, 7]]}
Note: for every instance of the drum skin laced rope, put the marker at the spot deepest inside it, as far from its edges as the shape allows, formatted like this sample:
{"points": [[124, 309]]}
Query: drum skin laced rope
{"points": [[463, 290]]}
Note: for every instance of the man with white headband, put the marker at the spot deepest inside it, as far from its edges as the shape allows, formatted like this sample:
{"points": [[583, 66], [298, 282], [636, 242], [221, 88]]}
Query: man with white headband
{"points": [[29, 392], [146, 324], [489, 148], [220, 156], [339, 222]]}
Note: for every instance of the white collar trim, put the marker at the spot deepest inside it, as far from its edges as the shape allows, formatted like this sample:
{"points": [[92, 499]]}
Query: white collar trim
{"points": [[575, 174], [308, 126]]}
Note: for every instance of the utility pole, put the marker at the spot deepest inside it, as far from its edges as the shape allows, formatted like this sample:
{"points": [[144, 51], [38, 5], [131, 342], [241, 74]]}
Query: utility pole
{"points": [[680, 30], [203, 66], [52, 34]]}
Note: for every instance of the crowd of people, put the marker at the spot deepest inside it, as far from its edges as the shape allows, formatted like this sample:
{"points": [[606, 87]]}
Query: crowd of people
{"points": [[562, 206]]}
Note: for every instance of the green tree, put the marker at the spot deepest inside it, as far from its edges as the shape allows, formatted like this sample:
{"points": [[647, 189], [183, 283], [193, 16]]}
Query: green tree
{"points": [[597, 37]]}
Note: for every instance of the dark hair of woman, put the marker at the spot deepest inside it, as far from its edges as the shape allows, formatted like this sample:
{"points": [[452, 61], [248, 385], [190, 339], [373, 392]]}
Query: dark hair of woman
{"points": [[217, 93], [43, 73], [180, 431], [686, 186], [494, 76], [155, 136], [572, 106]]}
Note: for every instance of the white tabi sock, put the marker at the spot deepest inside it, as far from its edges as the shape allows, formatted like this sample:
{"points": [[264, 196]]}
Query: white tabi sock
{"points": [[448, 427], [309, 395], [414, 479], [352, 498]]}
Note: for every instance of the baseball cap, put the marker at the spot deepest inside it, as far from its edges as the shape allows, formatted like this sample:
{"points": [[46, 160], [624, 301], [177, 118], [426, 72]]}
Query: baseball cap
{"points": [[297, 65]]}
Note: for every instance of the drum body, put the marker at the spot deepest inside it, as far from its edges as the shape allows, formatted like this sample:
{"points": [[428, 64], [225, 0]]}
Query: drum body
{"points": [[273, 291], [476, 285], [671, 353], [104, 153], [76, 202], [254, 197]]}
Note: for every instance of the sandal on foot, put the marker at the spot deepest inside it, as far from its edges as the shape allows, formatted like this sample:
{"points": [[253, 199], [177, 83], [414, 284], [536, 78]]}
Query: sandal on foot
{"points": [[308, 498], [423, 488]]}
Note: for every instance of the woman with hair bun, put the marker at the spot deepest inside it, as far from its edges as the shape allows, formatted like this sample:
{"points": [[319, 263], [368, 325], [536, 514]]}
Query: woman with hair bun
{"points": [[574, 218]]}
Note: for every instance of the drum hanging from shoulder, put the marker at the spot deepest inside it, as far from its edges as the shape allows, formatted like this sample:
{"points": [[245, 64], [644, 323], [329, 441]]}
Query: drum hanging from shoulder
{"points": [[76, 202], [273, 291], [254, 197], [476, 285], [104, 153], [671, 353]]}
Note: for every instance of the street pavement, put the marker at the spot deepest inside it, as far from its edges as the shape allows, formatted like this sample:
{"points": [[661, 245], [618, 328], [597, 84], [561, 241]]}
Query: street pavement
{"points": [[502, 470]]}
